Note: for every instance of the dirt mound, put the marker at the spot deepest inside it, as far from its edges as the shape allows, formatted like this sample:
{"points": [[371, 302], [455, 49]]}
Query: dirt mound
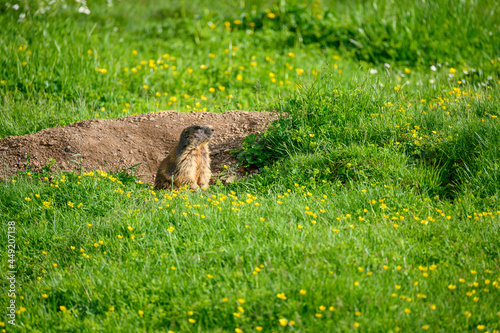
{"points": [[122, 143]]}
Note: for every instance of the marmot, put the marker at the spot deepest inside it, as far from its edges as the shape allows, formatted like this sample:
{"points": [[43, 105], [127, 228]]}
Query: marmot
{"points": [[189, 162]]}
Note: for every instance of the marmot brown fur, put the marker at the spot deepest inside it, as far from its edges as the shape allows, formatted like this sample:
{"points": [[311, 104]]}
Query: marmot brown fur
{"points": [[189, 162]]}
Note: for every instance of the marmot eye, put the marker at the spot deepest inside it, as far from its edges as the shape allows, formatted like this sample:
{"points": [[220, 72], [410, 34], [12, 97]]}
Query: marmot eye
{"points": [[197, 128]]}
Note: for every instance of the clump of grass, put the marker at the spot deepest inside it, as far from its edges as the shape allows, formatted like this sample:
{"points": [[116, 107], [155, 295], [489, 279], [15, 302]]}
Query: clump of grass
{"points": [[448, 136]]}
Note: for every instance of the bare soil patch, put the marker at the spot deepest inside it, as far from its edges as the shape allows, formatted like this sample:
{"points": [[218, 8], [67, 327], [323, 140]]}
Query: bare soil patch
{"points": [[116, 144]]}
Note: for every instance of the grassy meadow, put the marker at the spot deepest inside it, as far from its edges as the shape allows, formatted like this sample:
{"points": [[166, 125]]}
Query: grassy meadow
{"points": [[376, 207]]}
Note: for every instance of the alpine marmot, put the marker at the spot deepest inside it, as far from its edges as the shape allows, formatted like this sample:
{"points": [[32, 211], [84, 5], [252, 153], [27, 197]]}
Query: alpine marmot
{"points": [[189, 162]]}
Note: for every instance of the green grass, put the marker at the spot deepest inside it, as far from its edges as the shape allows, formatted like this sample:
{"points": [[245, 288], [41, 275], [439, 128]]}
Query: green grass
{"points": [[62, 66], [379, 236], [376, 207]]}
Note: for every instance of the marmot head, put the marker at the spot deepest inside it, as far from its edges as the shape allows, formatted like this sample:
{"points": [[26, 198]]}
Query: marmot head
{"points": [[196, 135]]}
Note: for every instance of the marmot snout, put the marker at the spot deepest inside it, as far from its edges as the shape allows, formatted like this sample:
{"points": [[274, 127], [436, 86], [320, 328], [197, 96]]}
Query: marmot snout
{"points": [[189, 162]]}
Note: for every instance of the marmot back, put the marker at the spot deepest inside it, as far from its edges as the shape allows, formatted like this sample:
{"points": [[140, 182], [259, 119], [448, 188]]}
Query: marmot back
{"points": [[189, 162]]}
